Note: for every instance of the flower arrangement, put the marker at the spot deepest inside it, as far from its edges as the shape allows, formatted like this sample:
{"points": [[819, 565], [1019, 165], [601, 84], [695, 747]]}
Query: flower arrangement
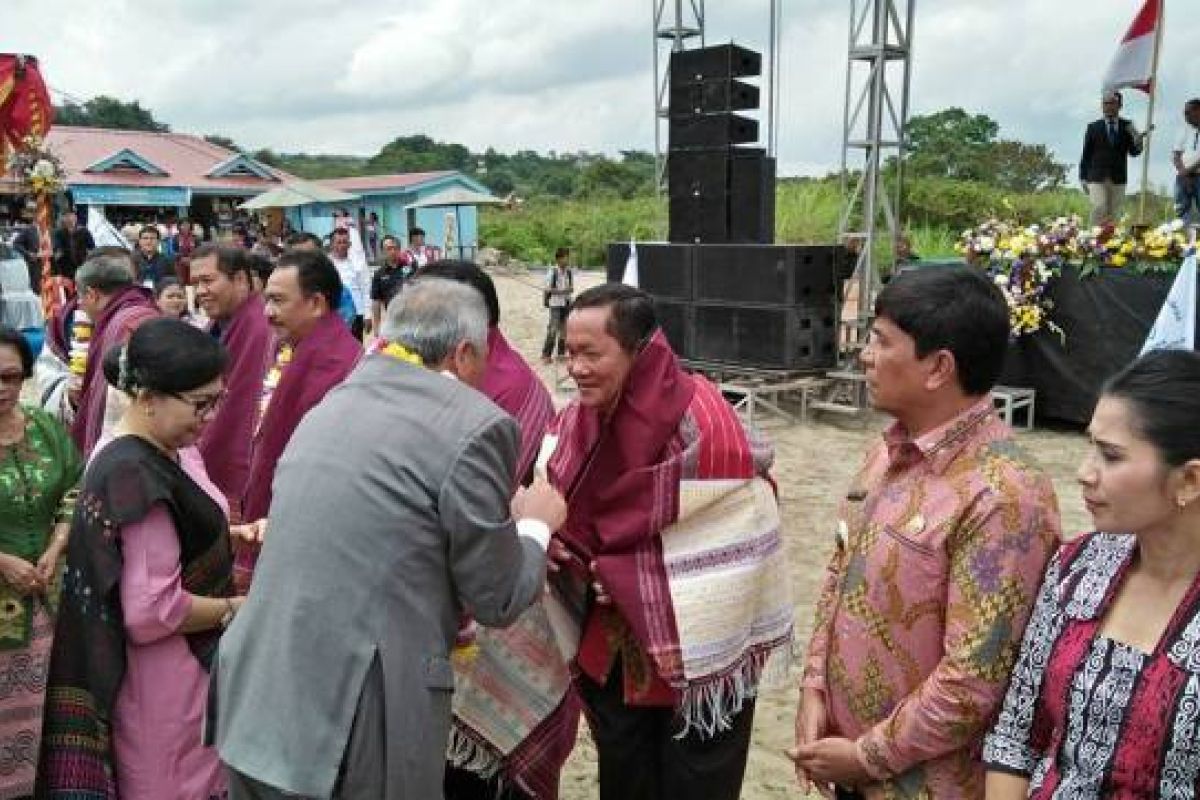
{"points": [[1023, 260], [37, 167]]}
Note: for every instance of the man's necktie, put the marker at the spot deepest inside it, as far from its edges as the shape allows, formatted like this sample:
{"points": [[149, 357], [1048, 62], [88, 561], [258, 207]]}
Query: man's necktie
{"points": [[1112, 133]]}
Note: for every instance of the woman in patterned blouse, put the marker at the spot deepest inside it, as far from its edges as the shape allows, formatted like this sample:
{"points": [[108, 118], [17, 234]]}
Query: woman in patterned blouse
{"points": [[39, 468], [1105, 698]]}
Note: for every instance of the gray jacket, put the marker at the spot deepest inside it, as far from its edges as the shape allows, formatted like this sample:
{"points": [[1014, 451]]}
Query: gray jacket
{"points": [[390, 516]]}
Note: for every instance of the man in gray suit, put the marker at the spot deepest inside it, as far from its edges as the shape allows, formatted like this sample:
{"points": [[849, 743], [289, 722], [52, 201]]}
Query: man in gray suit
{"points": [[390, 517]]}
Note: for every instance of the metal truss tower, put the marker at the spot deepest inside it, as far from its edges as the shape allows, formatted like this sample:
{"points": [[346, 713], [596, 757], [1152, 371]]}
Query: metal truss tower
{"points": [[678, 25], [878, 74]]}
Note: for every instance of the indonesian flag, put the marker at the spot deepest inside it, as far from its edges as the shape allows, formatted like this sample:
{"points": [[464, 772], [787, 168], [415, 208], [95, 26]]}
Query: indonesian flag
{"points": [[1133, 65]]}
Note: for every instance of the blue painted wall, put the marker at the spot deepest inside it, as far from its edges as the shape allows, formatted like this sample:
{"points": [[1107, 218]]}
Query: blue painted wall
{"points": [[394, 215]]}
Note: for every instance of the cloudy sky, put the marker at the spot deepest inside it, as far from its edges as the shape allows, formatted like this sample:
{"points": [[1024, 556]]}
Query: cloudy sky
{"points": [[336, 76]]}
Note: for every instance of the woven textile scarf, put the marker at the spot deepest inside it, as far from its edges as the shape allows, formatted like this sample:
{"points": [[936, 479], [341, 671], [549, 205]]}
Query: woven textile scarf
{"points": [[122, 484], [671, 499]]}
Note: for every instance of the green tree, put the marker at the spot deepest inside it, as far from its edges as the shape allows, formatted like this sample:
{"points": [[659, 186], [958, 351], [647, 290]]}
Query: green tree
{"points": [[222, 141], [420, 154], [1021, 167], [103, 111], [949, 144], [613, 179], [957, 145]]}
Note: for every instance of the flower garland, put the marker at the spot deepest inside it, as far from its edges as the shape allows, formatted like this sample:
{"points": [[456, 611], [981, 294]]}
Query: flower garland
{"points": [[1024, 260], [400, 353], [271, 382], [37, 167]]}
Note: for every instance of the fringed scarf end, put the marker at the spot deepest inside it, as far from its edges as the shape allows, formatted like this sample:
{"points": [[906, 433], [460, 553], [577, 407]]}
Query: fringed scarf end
{"points": [[709, 707], [468, 752]]}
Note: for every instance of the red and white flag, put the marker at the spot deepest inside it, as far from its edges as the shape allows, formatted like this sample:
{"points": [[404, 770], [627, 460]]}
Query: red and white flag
{"points": [[1133, 65]]}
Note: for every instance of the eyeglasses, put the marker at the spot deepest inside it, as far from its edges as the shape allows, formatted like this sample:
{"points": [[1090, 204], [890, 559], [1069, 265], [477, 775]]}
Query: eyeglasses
{"points": [[12, 378], [201, 406]]}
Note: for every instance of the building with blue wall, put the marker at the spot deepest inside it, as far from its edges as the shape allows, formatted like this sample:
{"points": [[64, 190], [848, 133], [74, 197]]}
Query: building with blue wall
{"points": [[395, 199]]}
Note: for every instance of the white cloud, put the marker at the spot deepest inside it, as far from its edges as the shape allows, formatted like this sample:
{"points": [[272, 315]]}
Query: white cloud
{"points": [[331, 76]]}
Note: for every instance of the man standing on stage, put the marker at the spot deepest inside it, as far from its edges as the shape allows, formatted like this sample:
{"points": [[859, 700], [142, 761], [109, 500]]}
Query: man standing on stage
{"points": [[1107, 145], [1186, 160], [938, 556], [316, 353], [223, 278]]}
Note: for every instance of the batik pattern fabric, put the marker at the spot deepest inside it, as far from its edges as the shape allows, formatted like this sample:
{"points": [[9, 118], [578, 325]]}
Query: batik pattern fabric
{"points": [[38, 475], [1087, 716], [941, 543]]}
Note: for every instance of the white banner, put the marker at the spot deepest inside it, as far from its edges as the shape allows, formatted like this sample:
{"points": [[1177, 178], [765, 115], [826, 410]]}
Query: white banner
{"points": [[1175, 328], [630, 277], [103, 232]]}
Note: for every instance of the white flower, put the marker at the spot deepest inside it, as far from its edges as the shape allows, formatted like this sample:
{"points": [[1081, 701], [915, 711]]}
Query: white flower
{"points": [[1001, 280], [43, 169], [986, 244], [1177, 225]]}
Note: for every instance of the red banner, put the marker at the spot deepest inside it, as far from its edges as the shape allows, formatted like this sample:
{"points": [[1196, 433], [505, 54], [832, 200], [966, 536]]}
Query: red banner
{"points": [[25, 106]]}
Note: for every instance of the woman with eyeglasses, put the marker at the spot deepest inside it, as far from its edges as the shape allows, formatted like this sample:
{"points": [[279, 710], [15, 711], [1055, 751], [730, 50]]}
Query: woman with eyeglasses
{"points": [[147, 588], [39, 468]]}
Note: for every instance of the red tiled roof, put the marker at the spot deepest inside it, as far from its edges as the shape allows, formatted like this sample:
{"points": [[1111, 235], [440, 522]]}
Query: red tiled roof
{"points": [[184, 157], [369, 183]]}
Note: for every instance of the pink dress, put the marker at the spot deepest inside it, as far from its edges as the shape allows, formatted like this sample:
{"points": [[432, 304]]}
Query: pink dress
{"points": [[159, 711]]}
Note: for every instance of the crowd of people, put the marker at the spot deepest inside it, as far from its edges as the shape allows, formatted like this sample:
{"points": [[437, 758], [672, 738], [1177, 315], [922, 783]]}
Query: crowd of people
{"points": [[246, 554]]}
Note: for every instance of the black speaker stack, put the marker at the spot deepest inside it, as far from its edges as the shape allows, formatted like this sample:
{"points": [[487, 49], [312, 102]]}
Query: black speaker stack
{"points": [[724, 294], [769, 307], [719, 192]]}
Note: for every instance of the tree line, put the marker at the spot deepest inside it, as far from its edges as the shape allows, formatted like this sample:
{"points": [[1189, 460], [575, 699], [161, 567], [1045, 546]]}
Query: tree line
{"points": [[951, 144]]}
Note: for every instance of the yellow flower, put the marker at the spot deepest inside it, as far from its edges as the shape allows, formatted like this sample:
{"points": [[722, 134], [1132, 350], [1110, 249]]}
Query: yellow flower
{"points": [[1119, 260]]}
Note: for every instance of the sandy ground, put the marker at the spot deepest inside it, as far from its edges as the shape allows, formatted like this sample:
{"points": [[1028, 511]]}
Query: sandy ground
{"points": [[813, 465]]}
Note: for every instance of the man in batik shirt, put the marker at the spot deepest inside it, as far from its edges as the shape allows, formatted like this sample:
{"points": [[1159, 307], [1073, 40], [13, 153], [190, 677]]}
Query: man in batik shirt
{"points": [[940, 547]]}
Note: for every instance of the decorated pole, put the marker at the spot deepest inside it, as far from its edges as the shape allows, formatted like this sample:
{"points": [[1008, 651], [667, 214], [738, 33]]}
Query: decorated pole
{"points": [[25, 118], [45, 249]]}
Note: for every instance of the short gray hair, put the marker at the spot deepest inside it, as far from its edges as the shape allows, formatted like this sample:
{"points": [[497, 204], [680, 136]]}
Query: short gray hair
{"points": [[431, 316], [106, 270]]}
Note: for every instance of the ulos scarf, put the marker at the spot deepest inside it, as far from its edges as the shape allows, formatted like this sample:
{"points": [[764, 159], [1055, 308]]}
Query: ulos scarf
{"points": [[229, 438], [125, 480], [670, 498], [128, 308], [510, 383], [319, 362]]}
